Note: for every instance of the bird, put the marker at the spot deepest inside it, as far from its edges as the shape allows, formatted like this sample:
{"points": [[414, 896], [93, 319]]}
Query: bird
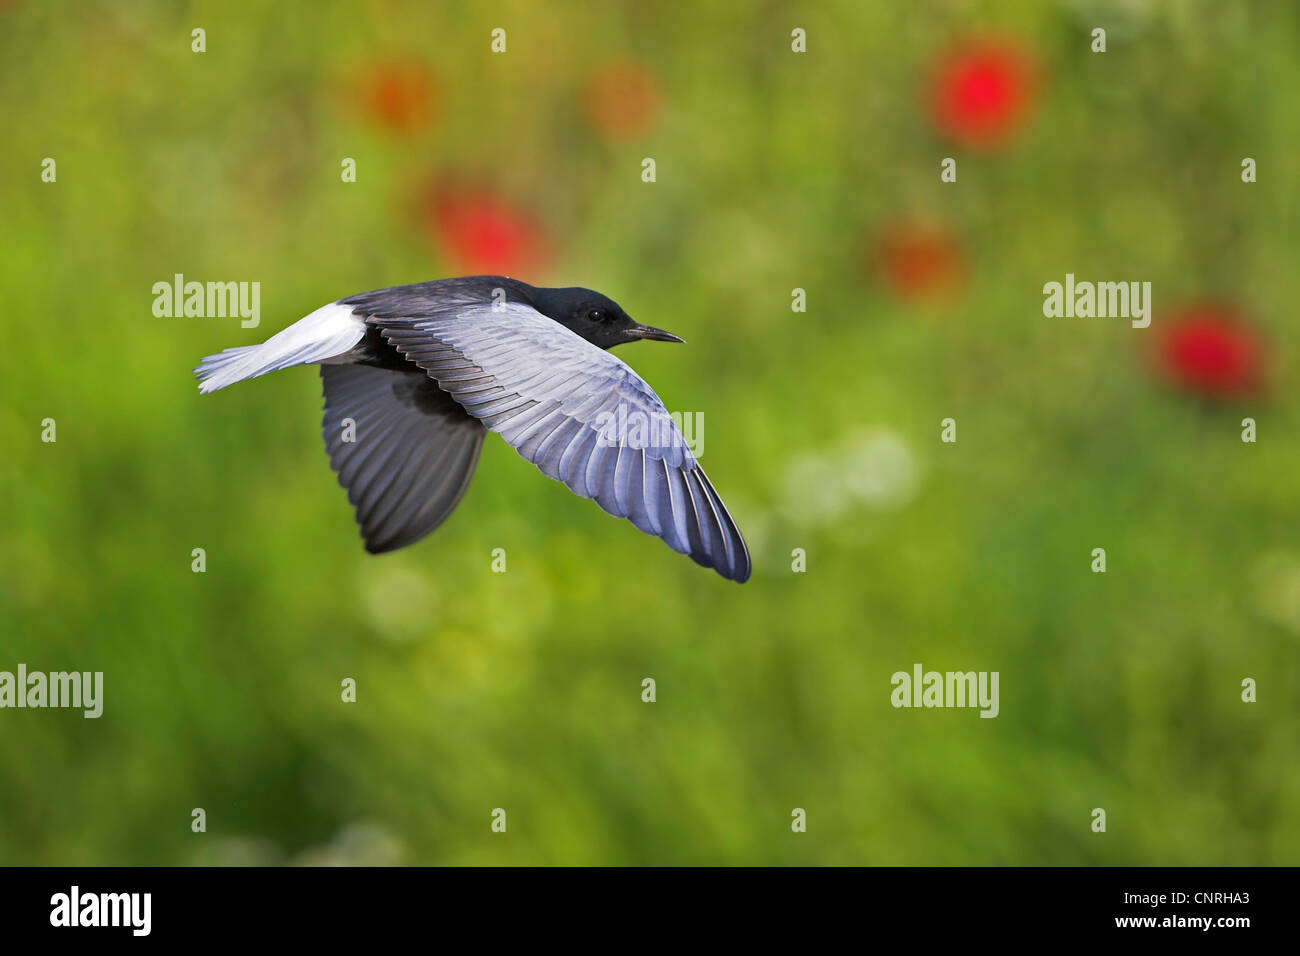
{"points": [[415, 376]]}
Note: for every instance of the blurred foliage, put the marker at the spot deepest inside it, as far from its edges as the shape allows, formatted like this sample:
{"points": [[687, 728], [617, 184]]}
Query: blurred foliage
{"points": [[775, 170]]}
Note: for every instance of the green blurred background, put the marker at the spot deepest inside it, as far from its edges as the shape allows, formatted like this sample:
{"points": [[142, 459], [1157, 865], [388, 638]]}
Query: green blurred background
{"points": [[776, 170]]}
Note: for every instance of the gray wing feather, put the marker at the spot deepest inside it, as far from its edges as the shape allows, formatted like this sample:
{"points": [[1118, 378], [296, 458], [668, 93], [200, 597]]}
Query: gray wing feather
{"points": [[414, 452], [556, 399]]}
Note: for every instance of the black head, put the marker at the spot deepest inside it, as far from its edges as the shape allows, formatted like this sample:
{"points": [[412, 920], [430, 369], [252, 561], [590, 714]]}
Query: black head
{"points": [[597, 318]]}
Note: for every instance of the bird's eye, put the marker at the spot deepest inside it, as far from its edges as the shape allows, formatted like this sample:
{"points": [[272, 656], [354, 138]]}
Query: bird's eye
{"points": [[596, 315]]}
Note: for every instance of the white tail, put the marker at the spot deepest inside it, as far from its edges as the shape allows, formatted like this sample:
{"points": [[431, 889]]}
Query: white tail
{"points": [[330, 331]]}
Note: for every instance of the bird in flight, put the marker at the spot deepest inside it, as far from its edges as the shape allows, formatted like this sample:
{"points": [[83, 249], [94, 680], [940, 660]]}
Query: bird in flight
{"points": [[415, 377]]}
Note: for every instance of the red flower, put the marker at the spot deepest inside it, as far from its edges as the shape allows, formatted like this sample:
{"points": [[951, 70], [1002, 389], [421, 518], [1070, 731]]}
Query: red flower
{"points": [[981, 94], [398, 97], [621, 99], [1206, 349], [920, 260], [482, 233]]}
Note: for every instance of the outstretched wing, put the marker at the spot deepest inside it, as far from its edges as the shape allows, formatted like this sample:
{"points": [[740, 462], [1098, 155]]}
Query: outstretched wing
{"points": [[402, 448], [580, 415]]}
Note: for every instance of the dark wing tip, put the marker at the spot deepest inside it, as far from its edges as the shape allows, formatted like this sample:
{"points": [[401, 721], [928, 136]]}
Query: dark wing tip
{"points": [[740, 571], [380, 547], [721, 546], [735, 566]]}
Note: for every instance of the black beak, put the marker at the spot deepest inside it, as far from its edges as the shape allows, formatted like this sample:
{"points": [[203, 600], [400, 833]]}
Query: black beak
{"points": [[650, 332]]}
